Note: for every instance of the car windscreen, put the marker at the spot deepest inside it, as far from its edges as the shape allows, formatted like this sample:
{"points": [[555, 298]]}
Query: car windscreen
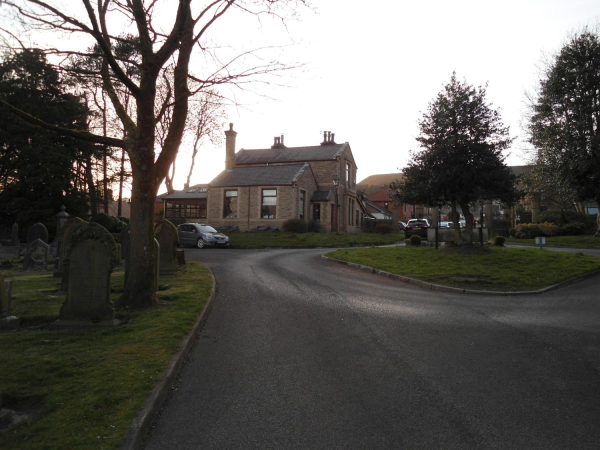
{"points": [[207, 229]]}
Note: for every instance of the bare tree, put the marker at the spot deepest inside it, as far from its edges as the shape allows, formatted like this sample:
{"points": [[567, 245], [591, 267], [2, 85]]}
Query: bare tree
{"points": [[160, 52]]}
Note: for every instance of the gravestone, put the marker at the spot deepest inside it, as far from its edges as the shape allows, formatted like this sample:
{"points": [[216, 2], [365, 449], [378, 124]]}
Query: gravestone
{"points": [[36, 256], [90, 257], [7, 322], [168, 239], [37, 231], [65, 241], [125, 239], [14, 240]]}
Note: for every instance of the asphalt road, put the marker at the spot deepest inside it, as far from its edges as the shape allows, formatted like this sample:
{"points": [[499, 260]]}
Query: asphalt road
{"points": [[298, 353]]}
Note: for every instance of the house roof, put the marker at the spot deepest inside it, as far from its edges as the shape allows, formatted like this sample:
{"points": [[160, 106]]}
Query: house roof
{"points": [[260, 175], [290, 154], [322, 196], [380, 196], [196, 191], [376, 207]]}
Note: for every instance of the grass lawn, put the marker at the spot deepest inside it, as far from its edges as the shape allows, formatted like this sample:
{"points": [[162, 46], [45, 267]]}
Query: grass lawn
{"points": [[83, 388], [563, 241], [279, 239], [488, 268]]}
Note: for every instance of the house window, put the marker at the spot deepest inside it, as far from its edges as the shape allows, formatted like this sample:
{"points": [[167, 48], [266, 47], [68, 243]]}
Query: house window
{"points": [[230, 205], [317, 212], [269, 204], [348, 174], [357, 222], [302, 194]]}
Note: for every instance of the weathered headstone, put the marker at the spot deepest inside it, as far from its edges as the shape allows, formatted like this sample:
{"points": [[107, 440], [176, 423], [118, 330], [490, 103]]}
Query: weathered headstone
{"points": [[14, 240], [37, 231], [167, 236], [89, 261], [7, 322], [65, 238], [36, 256]]}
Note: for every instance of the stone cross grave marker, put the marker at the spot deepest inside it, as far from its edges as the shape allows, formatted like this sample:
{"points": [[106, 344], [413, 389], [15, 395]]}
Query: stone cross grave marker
{"points": [[167, 236], [89, 261]]}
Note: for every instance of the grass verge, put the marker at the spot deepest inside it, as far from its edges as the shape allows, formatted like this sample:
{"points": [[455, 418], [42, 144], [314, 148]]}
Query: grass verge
{"points": [[487, 268], [83, 388], [280, 239], [562, 241]]}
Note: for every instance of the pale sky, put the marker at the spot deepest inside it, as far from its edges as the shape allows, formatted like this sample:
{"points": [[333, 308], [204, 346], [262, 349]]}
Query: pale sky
{"points": [[373, 67]]}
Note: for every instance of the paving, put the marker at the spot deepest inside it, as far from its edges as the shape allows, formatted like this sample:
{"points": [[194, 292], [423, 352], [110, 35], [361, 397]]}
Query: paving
{"points": [[300, 353]]}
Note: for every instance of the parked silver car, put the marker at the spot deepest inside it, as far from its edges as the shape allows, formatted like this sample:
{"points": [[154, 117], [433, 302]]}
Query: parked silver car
{"points": [[201, 235]]}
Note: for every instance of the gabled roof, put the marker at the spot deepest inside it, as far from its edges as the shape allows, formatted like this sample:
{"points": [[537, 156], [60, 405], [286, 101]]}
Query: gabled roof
{"points": [[322, 196], [196, 191], [290, 154], [380, 196], [260, 175], [376, 207]]}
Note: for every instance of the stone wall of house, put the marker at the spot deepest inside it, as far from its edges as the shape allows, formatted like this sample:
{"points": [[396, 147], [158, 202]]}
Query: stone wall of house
{"points": [[250, 202]]}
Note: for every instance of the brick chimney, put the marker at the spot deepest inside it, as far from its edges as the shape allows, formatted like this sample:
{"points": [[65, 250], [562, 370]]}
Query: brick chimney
{"points": [[328, 138], [230, 147], [278, 142]]}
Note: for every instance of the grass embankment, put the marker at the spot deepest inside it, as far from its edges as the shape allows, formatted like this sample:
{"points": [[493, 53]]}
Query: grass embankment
{"points": [[562, 241], [84, 388], [279, 239], [488, 268]]}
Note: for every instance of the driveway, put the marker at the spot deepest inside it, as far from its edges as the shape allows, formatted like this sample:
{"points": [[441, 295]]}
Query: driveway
{"points": [[298, 353]]}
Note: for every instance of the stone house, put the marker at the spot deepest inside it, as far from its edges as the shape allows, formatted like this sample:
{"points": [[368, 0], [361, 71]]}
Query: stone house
{"points": [[266, 187]]}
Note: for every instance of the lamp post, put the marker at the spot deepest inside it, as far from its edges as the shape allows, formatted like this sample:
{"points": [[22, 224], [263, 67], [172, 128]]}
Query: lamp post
{"points": [[336, 182]]}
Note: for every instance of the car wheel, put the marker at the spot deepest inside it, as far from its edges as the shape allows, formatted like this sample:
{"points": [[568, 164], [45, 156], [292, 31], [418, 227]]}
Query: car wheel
{"points": [[200, 243]]}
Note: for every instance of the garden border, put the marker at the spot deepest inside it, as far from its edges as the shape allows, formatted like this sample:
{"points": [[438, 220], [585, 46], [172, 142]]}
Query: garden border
{"points": [[438, 287]]}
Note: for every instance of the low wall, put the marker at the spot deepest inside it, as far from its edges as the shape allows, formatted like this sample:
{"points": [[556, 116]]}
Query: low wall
{"points": [[447, 235]]}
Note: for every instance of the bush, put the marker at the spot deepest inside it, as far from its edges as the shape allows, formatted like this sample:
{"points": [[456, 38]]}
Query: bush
{"points": [[575, 228], [383, 228], [369, 225], [533, 230], [415, 240], [112, 224], [499, 241], [314, 226], [295, 226]]}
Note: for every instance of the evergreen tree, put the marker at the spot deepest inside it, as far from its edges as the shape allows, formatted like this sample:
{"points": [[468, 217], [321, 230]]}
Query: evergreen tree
{"points": [[39, 168], [564, 125], [462, 140]]}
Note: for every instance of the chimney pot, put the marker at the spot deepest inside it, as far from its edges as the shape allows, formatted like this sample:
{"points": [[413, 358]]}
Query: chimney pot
{"points": [[230, 147]]}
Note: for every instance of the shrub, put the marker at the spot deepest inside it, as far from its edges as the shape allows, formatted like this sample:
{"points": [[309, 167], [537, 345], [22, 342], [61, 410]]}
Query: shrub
{"points": [[383, 228], [533, 230], [499, 241], [295, 226], [314, 226], [415, 240], [369, 225], [575, 228]]}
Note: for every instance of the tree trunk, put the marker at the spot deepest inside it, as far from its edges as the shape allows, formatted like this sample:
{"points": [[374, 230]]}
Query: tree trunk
{"points": [[91, 187], [139, 292], [468, 223], [455, 219], [121, 175], [598, 219]]}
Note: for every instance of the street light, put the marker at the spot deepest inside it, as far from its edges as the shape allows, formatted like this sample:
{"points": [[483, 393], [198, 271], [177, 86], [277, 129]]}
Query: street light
{"points": [[336, 182]]}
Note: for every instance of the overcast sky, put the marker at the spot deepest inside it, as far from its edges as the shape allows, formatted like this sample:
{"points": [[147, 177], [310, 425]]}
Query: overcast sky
{"points": [[373, 67]]}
